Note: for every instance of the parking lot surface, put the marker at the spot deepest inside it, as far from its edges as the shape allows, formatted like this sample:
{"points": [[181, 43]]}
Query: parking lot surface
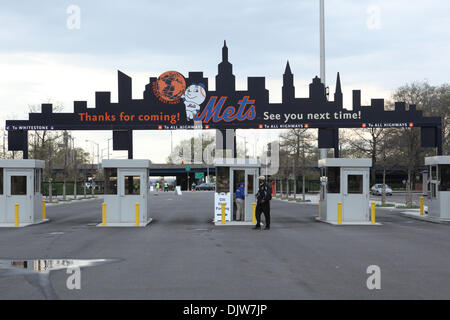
{"points": [[182, 255]]}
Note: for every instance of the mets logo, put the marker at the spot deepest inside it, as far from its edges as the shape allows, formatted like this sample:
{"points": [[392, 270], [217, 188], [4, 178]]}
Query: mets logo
{"points": [[169, 87]]}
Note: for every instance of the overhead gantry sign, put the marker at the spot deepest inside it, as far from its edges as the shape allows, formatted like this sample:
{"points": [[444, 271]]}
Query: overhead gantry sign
{"points": [[172, 102]]}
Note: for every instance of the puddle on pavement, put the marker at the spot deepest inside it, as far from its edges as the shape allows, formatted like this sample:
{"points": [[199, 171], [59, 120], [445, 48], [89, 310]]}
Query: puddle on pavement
{"points": [[47, 265], [37, 272]]}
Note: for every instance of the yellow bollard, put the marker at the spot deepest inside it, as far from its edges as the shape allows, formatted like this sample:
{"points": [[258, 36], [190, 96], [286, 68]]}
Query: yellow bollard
{"points": [[44, 215], [16, 215], [103, 214], [319, 208], [421, 206], [137, 214], [223, 212], [339, 212], [254, 212], [372, 213]]}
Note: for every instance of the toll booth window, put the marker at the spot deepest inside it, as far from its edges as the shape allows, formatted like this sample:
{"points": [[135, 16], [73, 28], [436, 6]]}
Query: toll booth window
{"points": [[238, 177], [434, 173], [444, 171], [250, 179], [1, 181], [223, 179], [334, 180], [149, 184], [433, 190], [110, 180], [132, 185], [37, 180], [18, 185], [355, 184]]}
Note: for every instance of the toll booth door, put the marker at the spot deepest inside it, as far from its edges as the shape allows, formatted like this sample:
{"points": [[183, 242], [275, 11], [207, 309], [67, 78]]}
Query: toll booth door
{"points": [[19, 190], [434, 187], [132, 189], [433, 198], [355, 191], [2, 197], [251, 188]]}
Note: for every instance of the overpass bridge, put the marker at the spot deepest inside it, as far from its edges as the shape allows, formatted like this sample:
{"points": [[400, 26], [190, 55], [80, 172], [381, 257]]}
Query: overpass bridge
{"points": [[179, 171]]}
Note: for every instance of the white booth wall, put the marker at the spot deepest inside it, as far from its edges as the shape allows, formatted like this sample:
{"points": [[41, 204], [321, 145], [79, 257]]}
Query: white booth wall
{"points": [[121, 195], [439, 194], [226, 186], [21, 182], [348, 183]]}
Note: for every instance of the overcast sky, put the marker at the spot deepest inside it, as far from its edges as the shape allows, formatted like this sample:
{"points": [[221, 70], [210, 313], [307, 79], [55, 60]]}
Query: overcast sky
{"points": [[377, 46]]}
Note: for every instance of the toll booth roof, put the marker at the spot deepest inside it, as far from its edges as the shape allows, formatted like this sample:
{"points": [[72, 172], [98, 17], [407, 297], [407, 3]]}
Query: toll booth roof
{"points": [[22, 163], [126, 163], [436, 160], [237, 162], [340, 162]]}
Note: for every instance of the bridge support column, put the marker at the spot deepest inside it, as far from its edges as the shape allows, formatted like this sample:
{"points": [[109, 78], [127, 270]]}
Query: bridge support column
{"points": [[226, 143], [130, 144], [336, 142]]}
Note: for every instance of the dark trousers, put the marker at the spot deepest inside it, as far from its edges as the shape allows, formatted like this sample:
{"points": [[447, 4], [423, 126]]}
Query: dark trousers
{"points": [[262, 208]]}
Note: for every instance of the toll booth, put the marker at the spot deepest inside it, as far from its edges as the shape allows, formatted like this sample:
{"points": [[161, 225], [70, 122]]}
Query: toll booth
{"points": [[439, 192], [20, 192], [345, 181], [230, 172], [127, 193]]}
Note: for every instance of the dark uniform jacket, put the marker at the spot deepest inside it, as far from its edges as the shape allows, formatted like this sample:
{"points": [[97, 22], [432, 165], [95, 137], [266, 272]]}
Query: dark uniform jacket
{"points": [[264, 192]]}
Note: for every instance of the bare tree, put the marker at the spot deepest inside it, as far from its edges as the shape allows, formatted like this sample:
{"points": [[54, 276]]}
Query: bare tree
{"points": [[407, 140], [44, 143], [367, 143], [298, 144]]}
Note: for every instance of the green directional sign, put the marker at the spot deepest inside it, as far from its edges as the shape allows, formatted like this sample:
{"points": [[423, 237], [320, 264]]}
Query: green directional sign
{"points": [[199, 175], [188, 168]]}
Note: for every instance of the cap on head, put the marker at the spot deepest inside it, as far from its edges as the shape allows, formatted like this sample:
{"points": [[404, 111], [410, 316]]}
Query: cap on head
{"points": [[261, 178], [241, 183]]}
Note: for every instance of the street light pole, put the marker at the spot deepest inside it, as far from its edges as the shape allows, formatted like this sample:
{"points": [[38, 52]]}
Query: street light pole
{"points": [[98, 150], [322, 152], [256, 142], [108, 146], [245, 145]]}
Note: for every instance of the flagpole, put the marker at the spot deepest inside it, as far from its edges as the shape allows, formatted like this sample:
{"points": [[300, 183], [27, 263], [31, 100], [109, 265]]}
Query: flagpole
{"points": [[322, 152], [322, 42]]}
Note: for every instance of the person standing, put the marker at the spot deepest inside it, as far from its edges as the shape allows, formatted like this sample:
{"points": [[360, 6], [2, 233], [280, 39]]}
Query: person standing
{"points": [[240, 202], [263, 198], [166, 186]]}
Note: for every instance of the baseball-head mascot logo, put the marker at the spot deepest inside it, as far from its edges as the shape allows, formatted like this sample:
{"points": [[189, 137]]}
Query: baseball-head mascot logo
{"points": [[193, 97]]}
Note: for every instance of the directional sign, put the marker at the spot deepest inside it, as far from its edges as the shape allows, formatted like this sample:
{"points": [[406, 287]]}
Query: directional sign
{"points": [[199, 175], [188, 168]]}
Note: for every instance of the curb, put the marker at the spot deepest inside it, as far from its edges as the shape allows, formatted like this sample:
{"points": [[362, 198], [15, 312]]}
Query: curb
{"points": [[70, 202], [424, 218], [294, 201]]}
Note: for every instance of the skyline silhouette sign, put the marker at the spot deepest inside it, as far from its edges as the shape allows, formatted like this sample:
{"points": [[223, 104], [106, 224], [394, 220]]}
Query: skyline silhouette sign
{"points": [[175, 102]]}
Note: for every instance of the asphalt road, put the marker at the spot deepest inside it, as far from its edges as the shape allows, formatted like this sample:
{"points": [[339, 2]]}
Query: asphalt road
{"points": [[181, 255]]}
